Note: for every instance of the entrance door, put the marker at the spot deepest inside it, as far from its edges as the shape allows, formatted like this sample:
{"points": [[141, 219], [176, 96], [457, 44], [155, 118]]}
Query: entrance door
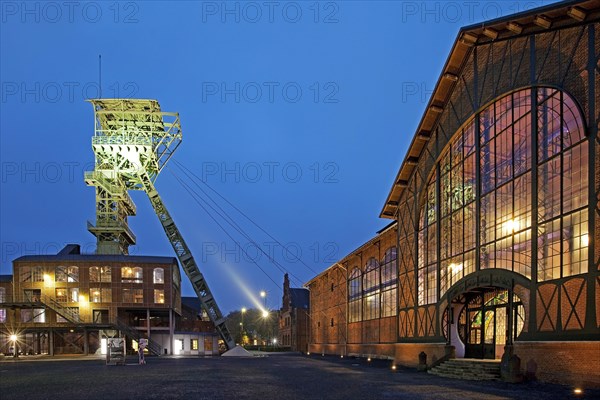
{"points": [[483, 323], [489, 329]]}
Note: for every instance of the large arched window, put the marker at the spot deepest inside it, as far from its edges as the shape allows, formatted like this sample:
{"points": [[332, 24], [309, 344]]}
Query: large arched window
{"points": [[371, 290], [389, 283], [500, 146], [355, 295]]}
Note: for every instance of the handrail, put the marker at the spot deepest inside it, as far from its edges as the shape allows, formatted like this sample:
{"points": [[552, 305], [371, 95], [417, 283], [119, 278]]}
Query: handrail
{"points": [[153, 346]]}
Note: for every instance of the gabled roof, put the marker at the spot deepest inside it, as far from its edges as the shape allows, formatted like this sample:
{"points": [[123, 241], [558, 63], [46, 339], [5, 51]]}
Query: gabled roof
{"points": [[537, 20]]}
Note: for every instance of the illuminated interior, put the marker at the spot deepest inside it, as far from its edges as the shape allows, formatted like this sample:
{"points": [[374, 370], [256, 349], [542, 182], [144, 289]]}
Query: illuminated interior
{"points": [[521, 179]]}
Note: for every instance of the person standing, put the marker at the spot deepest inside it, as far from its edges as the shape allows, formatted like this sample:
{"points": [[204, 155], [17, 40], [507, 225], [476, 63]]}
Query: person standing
{"points": [[141, 346]]}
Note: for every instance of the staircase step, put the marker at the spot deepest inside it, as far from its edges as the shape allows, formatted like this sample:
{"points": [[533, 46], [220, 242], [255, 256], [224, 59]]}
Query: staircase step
{"points": [[468, 369]]}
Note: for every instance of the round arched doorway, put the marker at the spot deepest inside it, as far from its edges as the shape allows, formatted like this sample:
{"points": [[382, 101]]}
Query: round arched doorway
{"points": [[487, 319]]}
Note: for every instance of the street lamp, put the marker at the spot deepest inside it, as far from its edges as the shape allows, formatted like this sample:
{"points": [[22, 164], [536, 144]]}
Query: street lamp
{"points": [[13, 339], [242, 324], [263, 294]]}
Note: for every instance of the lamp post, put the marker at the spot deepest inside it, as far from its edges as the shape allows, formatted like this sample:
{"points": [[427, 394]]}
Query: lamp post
{"points": [[263, 294], [265, 315], [242, 324], [13, 339], [265, 312]]}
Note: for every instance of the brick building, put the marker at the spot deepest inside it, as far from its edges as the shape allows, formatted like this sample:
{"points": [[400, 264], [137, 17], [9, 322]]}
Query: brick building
{"points": [[294, 317], [496, 204], [354, 302], [69, 303]]}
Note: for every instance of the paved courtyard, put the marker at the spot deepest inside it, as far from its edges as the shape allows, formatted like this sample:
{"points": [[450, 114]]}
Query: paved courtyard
{"points": [[274, 377]]}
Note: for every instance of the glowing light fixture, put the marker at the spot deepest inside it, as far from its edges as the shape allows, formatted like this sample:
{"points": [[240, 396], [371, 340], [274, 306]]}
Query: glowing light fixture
{"points": [[542, 21], [13, 338], [511, 225], [455, 268], [515, 27], [491, 33], [578, 391], [265, 314], [576, 13]]}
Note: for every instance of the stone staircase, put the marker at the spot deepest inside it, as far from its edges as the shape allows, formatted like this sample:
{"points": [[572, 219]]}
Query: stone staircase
{"points": [[468, 368]]}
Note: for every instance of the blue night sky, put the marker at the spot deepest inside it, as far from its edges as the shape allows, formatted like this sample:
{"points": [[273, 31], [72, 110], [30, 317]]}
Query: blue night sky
{"points": [[298, 113]]}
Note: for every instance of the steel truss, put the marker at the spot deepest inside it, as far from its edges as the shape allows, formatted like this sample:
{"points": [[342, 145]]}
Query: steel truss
{"points": [[133, 141]]}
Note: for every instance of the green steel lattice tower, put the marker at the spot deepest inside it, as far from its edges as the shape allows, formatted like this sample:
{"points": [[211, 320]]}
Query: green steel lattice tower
{"points": [[133, 140]]}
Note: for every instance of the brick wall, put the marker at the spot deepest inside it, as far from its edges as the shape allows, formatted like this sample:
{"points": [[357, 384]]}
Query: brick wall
{"points": [[407, 354], [575, 363]]}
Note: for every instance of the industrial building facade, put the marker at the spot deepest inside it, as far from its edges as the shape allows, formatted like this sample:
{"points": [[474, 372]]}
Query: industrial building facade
{"points": [[70, 303], [496, 205]]}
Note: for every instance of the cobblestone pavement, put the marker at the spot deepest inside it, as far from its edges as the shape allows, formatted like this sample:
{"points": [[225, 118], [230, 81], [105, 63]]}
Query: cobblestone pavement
{"points": [[274, 377]]}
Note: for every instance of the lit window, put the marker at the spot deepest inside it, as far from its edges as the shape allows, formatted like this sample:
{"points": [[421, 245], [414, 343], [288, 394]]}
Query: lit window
{"points": [[32, 274], [36, 315], [371, 290], [62, 295], [159, 275], [159, 296], [389, 283], [100, 274], [194, 344], [132, 275], [506, 211], [133, 295], [66, 274], [355, 295], [100, 295]]}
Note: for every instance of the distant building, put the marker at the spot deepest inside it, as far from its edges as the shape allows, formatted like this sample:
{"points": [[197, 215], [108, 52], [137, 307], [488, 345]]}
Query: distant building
{"points": [[294, 319], [70, 303]]}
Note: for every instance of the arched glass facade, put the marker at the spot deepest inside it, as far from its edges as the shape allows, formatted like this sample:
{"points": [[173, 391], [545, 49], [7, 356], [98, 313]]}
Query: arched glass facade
{"points": [[372, 294], [497, 193]]}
